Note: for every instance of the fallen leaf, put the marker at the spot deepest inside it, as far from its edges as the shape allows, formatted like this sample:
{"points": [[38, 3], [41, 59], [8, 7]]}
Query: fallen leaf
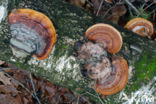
{"points": [[7, 89], [21, 90], [116, 13], [4, 79], [1, 62], [109, 1]]}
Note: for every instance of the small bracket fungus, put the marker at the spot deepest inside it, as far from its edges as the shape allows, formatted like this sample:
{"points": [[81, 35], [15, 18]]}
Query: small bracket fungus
{"points": [[32, 33], [106, 35], [116, 80], [140, 26]]}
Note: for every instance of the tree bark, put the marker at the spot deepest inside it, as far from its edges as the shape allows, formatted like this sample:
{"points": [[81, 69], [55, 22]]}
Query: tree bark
{"points": [[61, 67]]}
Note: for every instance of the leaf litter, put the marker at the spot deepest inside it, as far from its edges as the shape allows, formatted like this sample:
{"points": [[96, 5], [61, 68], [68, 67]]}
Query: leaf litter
{"points": [[19, 87]]}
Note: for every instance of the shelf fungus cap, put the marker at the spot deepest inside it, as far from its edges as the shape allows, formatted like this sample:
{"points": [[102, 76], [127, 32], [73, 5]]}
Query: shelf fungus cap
{"points": [[106, 35], [117, 80], [140, 26], [32, 33]]}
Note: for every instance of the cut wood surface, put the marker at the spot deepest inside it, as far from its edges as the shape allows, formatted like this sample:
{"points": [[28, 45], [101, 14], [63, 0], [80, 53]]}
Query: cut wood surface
{"points": [[62, 67]]}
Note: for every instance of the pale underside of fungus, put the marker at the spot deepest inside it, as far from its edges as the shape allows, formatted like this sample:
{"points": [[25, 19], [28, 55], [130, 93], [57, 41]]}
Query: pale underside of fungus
{"points": [[32, 33]]}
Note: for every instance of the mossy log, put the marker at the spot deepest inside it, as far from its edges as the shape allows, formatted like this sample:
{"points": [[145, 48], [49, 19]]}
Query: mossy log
{"points": [[61, 67]]}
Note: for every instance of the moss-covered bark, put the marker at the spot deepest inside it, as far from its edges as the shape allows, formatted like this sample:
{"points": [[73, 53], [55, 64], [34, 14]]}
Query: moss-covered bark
{"points": [[61, 67]]}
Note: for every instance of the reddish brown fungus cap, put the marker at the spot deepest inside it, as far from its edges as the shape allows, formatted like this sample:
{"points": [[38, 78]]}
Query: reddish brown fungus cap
{"points": [[140, 26], [39, 23], [117, 79], [106, 35]]}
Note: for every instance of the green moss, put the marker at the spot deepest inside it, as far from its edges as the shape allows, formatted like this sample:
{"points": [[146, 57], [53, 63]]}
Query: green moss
{"points": [[143, 14], [58, 53], [145, 70]]}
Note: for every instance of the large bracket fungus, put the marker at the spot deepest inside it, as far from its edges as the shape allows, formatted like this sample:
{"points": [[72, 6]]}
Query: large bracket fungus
{"points": [[32, 33], [111, 74], [141, 26]]}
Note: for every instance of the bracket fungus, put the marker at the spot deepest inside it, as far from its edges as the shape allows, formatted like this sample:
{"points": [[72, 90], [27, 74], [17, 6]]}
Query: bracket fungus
{"points": [[116, 80], [32, 33], [141, 26], [111, 74], [107, 35]]}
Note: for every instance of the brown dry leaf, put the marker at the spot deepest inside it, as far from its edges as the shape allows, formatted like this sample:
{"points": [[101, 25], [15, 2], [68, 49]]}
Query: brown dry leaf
{"points": [[79, 3], [1, 62], [8, 99], [109, 1], [7, 89], [45, 90], [4, 79], [96, 4], [116, 13]]}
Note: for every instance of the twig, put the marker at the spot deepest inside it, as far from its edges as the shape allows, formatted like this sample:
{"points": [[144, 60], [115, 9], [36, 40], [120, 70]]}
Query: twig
{"points": [[83, 97], [154, 16], [130, 11], [89, 94], [98, 95], [100, 99], [89, 3], [149, 6], [78, 98], [34, 91], [111, 8], [99, 7], [153, 11], [108, 10], [143, 5], [132, 6]]}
